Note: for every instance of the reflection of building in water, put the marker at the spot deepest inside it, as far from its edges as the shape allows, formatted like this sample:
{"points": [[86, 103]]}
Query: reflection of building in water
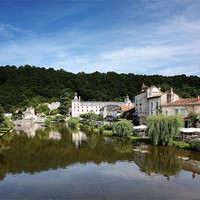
{"points": [[55, 135], [78, 138], [29, 129]]}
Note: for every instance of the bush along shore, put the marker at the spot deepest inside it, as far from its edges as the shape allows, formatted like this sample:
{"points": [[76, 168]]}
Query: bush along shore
{"points": [[161, 130]]}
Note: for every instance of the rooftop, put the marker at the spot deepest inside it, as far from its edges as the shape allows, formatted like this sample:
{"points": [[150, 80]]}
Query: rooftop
{"points": [[184, 102], [125, 108]]}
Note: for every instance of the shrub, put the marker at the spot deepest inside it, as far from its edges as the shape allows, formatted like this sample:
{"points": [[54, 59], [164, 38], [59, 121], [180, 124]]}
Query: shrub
{"points": [[54, 112], [73, 122], [95, 125], [101, 130], [195, 144], [162, 129], [107, 127], [194, 118], [47, 121], [42, 108], [122, 128]]}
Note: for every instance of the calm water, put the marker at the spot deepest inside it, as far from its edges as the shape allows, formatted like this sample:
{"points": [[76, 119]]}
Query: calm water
{"points": [[59, 163]]}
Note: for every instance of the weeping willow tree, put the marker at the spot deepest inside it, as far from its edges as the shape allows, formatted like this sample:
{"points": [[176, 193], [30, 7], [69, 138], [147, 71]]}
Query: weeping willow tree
{"points": [[123, 128], [162, 129]]}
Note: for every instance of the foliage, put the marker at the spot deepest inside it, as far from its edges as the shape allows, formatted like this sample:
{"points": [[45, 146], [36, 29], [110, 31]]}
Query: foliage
{"points": [[7, 123], [107, 127], [42, 108], [72, 122], [1, 114], [101, 130], [195, 144], [59, 118], [18, 89], [91, 116], [162, 129], [16, 116], [181, 144], [47, 121], [123, 128], [55, 112], [65, 101], [194, 118]]}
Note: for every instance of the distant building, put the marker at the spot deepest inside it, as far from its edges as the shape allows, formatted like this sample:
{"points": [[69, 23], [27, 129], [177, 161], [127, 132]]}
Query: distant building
{"points": [[82, 107], [182, 107], [110, 111], [8, 115], [29, 113]]}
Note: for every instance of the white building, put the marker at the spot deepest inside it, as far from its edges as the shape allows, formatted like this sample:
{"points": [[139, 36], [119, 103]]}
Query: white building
{"points": [[82, 107], [149, 99]]}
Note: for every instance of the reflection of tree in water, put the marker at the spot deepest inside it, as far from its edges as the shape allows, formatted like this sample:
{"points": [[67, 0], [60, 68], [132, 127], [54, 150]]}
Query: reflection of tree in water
{"points": [[43, 134], [123, 146], [92, 141], [159, 160], [4, 167]]}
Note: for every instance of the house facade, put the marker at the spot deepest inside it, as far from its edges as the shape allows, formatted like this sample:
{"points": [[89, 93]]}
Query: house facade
{"points": [[183, 107], [81, 107], [149, 100]]}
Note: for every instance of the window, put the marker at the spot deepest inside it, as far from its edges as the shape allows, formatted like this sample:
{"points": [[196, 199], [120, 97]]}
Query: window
{"points": [[183, 112], [151, 104], [156, 105], [140, 110], [136, 110], [166, 112], [136, 102], [169, 97], [140, 101], [176, 111]]}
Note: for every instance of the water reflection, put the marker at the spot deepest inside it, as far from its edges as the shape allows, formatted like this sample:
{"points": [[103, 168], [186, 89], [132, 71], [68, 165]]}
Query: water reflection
{"points": [[78, 137], [58, 147]]}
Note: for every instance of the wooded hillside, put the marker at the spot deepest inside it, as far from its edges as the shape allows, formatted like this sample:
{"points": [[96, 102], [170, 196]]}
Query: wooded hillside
{"points": [[28, 85]]}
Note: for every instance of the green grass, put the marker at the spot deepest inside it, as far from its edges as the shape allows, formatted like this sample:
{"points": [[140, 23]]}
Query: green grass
{"points": [[140, 139], [108, 132], [181, 144]]}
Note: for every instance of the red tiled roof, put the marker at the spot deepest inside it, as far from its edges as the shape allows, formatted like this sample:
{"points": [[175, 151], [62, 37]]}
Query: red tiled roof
{"points": [[184, 102], [125, 108]]}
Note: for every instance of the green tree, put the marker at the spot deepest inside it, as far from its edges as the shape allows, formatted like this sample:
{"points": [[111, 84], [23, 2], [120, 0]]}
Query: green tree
{"points": [[162, 129], [72, 122], [42, 108], [65, 101], [194, 118], [1, 114], [123, 128]]}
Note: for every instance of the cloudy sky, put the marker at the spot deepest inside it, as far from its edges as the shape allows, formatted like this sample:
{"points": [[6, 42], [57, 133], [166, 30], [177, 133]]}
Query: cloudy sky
{"points": [[126, 36]]}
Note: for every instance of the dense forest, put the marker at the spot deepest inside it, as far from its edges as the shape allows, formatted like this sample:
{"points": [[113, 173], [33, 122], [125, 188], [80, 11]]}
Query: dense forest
{"points": [[29, 85]]}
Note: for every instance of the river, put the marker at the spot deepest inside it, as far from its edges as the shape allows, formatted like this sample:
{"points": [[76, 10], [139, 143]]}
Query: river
{"points": [[59, 163]]}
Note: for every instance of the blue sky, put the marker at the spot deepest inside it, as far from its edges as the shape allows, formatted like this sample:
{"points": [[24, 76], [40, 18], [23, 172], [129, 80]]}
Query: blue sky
{"points": [[125, 36]]}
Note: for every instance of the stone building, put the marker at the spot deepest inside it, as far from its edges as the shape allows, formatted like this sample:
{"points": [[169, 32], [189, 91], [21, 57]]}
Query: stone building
{"points": [[110, 111], [182, 107], [82, 107], [149, 100], [29, 113]]}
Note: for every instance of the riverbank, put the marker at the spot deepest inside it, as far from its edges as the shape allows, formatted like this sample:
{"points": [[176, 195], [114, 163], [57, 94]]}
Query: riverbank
{"points": [[178, 144]]}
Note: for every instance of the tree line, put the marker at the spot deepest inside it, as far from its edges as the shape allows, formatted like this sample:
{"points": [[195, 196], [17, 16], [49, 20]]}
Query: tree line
{"points": [[29, 85]]}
